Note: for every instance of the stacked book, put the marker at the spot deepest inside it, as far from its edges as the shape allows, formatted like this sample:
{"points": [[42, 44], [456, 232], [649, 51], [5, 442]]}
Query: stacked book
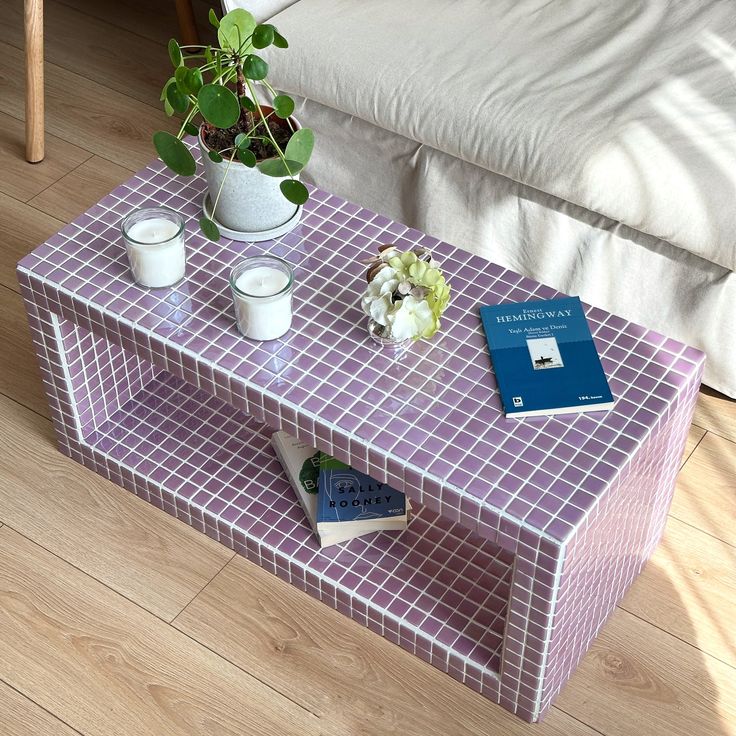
{"points": [[341, 503]]}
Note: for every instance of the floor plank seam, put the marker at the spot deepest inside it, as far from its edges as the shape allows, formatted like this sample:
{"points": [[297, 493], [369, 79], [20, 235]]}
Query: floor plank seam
{"points": [[35, 206], [695, 446], [28, 408], [575, 718], [179, 631], [86, 573], [10, 288], [203, 588], [705, 531], [77, 142], [674, 636], [43, 708]]}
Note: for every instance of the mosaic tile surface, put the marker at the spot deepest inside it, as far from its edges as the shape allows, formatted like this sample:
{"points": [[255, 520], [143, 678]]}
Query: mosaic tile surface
{"points": [[130, 371]]}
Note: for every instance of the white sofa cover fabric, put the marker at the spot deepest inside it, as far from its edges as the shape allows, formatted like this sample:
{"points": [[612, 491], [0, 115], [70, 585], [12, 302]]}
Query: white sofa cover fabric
{"points": [[590, 145], [627, 108]]}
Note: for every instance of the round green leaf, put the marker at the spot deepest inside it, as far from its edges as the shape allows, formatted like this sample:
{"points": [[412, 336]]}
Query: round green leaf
{"points": [[174, 153], [166, 87], [294, 191], [218, 105], [168, 109], [215, 156], [247, 157], [178, 101], [263, 35], [242, 141], [300, 145], [191, 128], [195, 81], [254, 67], [180, 75], [209, 229], [279, 41], [174, 53], [235, 29], [247, 103], [283, 106], [276, 167], [214, 20]]}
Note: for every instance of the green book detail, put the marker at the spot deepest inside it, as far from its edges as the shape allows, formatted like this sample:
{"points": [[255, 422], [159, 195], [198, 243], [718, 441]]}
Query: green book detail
{"points": [[309, 473]]}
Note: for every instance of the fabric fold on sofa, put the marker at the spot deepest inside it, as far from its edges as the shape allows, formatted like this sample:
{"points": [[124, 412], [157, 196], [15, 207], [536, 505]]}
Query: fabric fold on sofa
{"points": [[625, 109]]}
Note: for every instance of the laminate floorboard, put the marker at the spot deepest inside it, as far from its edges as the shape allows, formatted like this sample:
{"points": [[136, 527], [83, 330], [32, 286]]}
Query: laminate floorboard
{"points": [[22, 228], [689, 590], [21, 181], [105, 666], [94, 117], [20, 716], [299, 647], [118, 539], [706, 491], [81, 188], [152, 19], [91, 47], [20, 377]]}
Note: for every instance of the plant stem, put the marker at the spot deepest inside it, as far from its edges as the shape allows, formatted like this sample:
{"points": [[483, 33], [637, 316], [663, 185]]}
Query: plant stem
{"points": [[268, 129], [188, 119]]}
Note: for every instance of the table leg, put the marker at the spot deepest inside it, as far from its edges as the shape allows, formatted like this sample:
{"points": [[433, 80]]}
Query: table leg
{"points": [[34, 80], [187, 24]]}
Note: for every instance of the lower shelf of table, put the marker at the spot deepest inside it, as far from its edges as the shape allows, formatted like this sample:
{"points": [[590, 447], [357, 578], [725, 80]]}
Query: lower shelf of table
{"points": [[436, 589]]}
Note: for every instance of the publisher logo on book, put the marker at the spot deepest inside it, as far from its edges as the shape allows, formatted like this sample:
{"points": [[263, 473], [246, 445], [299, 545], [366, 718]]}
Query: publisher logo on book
{"points": [[517, 401]]}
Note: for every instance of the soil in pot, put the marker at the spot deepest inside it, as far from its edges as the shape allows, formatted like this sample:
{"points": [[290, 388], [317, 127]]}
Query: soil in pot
{"points": [[222, 139]]}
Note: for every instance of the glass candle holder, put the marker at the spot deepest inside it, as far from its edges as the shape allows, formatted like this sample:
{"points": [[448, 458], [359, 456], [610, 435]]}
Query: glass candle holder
{"points": [[154, 242], [262, 287]]}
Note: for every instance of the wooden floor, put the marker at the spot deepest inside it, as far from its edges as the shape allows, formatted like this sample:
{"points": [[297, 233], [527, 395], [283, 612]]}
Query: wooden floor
{"points": [[117, 620]]}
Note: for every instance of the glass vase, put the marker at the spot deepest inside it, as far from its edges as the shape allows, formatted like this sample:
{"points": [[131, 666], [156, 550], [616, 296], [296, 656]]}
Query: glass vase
{"points": [[384, 341]]}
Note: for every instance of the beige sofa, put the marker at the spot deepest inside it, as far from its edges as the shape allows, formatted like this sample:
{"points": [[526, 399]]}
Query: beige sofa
{"points": [[589, 145]]}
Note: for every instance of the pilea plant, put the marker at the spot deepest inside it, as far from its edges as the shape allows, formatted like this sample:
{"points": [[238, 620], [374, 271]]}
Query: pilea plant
{"points": [[219, 91]]}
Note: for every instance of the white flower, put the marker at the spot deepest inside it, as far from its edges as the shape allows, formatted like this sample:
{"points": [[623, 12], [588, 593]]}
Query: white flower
{"points": [[411, 318], [377, 301]]}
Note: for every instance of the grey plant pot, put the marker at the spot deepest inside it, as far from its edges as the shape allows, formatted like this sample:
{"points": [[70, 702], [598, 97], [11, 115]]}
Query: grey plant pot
{"points": [[250, 201]]}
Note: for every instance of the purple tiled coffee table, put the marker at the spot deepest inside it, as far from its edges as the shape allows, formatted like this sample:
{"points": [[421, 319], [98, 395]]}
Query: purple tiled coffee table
{"points": [[526, 532]]}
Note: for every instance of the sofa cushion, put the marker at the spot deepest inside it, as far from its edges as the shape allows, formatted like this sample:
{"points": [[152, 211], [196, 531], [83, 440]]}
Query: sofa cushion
{"points": [[627, 109]]}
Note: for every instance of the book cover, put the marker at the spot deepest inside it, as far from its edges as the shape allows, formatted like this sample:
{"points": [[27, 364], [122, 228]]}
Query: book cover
{"points": [[346, 494], [544, 358], [301, 463]]}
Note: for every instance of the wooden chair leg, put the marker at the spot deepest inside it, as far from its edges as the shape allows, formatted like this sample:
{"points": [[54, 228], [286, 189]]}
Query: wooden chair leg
{"points": [[34, 80], [187, 24]]}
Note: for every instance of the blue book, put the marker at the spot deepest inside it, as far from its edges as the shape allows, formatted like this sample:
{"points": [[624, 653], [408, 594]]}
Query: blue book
{"points": [[348, 495], [544, 358]]}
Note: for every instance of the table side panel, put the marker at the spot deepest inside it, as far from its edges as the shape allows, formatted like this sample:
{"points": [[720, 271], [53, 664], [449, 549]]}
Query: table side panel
{"points": [[610, 548]]}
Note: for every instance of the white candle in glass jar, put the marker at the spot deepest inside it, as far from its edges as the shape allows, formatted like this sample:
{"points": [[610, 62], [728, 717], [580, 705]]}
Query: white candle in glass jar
{"points": [[154, 241], [262, 288]]}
